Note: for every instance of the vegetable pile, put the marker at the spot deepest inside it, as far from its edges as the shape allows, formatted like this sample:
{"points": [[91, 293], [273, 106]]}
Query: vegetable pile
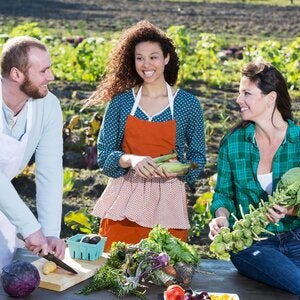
{"points": [[176, 292], [19, 279], [161, 259], [248, 229]]}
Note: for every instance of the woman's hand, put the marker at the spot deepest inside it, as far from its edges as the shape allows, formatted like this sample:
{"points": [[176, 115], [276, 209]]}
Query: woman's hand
{"points": [[221, 220], [145, 166], [142, 165], [215, 226], [277, 212]]}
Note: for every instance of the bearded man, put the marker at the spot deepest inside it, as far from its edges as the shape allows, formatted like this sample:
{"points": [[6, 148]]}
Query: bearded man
{"points": [[30, 125]]}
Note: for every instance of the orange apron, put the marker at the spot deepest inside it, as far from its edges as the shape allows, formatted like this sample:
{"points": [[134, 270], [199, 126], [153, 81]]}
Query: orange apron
{"points": [[142, 138]]}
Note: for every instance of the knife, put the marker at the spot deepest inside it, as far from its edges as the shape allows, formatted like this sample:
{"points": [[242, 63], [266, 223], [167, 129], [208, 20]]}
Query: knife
{"points": [[58, 262], [52, 257]]}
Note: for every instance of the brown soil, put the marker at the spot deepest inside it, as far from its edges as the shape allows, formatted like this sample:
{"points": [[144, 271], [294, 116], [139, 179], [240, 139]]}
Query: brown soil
{"points": [[101, 15]]}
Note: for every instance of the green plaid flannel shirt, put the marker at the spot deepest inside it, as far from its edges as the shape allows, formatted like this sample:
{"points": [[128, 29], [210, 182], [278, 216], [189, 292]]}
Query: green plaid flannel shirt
{"points": [[237, 182]]}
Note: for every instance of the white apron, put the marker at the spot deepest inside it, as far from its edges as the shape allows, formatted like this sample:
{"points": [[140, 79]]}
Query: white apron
{"points": [[11, 156]]}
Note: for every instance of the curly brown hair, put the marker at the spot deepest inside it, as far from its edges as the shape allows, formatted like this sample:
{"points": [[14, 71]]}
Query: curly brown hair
{"points": [[121, 74]]}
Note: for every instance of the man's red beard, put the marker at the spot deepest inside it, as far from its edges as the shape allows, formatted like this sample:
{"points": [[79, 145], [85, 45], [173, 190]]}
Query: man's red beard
{"points": [[28, 88]]}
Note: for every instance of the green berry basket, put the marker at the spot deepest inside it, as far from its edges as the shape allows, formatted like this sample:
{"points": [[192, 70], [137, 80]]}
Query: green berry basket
{"points": [[85, 251]]}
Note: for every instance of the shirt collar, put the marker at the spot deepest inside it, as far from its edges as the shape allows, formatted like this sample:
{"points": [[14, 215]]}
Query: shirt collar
{"points": [[293, 130], [250, 133], [292, 134]]}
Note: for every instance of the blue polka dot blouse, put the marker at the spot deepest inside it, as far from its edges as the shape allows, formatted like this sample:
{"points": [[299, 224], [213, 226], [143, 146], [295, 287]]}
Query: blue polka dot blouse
{"points": [[190, 132]]}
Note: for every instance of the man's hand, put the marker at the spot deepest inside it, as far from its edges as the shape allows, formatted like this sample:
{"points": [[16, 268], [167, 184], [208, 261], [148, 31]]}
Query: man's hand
{"points": [[37, 243], [56, 246]]}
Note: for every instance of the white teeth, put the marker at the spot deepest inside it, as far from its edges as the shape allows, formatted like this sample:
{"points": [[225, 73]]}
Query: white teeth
{"points": [[244, 109], [148, 73]]}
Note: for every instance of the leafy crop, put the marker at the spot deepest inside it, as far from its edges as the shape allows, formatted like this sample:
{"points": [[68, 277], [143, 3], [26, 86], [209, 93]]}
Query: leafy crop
{"points": [[248, 229], [82, 221], [129, 267], [204, 57]]}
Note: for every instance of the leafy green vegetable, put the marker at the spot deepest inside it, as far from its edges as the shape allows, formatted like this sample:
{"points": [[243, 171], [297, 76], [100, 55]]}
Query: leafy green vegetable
{"points": [[128, 265], [178, 250], [249, 228]]}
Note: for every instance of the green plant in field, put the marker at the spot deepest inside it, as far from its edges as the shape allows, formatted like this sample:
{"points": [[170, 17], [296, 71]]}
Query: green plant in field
{"points": [[82, 26], [220, 126], [31, 29], [182, 40], [201, 57], [82, 221], [201, 214], [69, 180], [83, 62], [285, 57]]}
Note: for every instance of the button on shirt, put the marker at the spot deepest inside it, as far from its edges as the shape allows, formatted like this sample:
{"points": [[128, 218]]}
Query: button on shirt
{"points": [[14, 126]]}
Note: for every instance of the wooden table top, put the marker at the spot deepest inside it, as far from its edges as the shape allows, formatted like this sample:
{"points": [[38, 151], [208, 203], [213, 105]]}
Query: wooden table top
{"points": [[212, 276]]}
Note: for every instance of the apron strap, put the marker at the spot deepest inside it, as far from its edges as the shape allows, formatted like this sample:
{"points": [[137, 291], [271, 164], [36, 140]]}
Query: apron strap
{"points": [[29, 112], [171, 99], [137, 99], [139, 95]]}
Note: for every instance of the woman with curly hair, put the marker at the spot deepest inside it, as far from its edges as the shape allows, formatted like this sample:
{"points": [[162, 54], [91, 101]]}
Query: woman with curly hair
{"points": [[146, 117]]}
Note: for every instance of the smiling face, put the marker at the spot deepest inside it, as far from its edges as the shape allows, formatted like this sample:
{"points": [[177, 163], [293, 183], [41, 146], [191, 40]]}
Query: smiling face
{"points": [[38, 75], [150, 61], [254, 105]]}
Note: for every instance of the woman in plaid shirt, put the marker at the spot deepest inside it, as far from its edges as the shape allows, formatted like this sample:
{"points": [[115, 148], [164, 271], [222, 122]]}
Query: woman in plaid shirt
{"points": [[252, 159]]}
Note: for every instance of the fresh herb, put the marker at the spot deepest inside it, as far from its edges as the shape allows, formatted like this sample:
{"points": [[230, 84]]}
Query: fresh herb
{"points": [[129, 267]]}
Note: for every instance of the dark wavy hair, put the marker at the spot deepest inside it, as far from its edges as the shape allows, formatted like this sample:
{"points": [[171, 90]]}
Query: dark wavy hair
{"points": [[121, 74], [268, 79]]}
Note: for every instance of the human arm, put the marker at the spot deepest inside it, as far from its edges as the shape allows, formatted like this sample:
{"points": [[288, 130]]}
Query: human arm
{"points": [[18, 213], [194, 137], [109, 144], [223, 204], [15, 209], [49, 175]]}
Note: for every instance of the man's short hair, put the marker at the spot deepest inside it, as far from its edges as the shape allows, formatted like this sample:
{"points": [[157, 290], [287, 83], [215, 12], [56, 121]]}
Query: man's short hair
{"points": [[15, 53]]}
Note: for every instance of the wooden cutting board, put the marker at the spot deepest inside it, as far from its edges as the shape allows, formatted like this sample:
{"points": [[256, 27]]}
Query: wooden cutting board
{"points": [[61, 279]]}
